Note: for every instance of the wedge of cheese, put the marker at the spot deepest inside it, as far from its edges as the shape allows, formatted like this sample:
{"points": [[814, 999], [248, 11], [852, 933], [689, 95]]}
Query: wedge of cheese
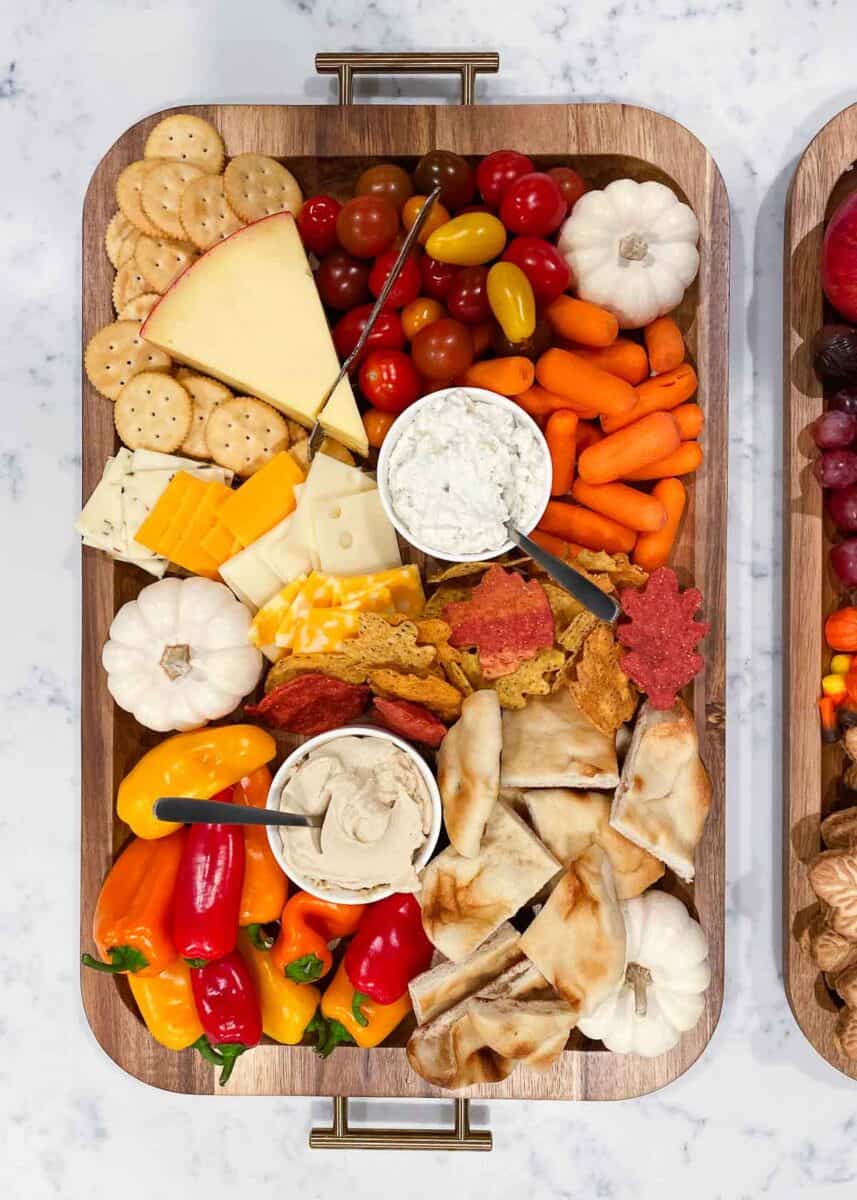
{"points": [[248, 312]]}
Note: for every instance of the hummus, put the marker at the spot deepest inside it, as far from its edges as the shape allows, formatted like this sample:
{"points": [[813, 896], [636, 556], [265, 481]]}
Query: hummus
{"points": [[377, 815]]}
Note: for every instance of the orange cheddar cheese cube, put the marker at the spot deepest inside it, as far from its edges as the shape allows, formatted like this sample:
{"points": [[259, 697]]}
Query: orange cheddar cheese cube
{"points": [[188, 551], [155, 525], [220, 544], [264, 500]]}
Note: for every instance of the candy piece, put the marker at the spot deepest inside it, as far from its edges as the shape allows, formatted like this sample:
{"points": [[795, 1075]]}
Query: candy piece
{"points": [[507, 619], [661, 635], [310, 704], [409, 720]]}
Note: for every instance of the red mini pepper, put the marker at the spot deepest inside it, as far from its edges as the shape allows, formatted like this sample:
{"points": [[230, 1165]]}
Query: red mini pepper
{"points": [[227, 1004], [207, 897], [388, 950]]}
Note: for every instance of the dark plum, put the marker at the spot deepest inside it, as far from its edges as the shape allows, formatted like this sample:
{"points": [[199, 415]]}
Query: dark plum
{"points": [[843, 559], [834, 430], [842, 506], [836, 468]]}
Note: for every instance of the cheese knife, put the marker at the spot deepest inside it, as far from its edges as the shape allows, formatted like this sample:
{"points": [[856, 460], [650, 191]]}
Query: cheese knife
{"points": [[604, 607], [316, 436], [212, 812]]}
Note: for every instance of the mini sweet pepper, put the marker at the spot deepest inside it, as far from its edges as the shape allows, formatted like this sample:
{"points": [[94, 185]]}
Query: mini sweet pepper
{"points": [[166, 1005], [389, 949], [307, 925], [266, 888], [350, 1017], [228, 1007], [287, 1007]]}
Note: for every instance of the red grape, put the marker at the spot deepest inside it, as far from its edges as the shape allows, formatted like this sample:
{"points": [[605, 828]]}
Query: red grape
{"points": [[836, 468], [834, 430], [845, 400], [843, 559], [842, 506]]}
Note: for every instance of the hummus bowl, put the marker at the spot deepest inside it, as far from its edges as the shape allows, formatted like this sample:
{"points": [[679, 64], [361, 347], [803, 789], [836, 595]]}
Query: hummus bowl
{"points": [[288, 771]]}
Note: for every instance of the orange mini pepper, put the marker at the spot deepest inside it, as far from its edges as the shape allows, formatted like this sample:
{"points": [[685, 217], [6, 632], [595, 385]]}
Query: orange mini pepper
{"points": [[266, 888], [307, 925], [132, 914], [166, 1005], [350, 1016]]}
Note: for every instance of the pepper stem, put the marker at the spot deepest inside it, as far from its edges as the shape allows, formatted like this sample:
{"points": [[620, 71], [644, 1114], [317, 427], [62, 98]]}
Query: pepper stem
{"points": [[638, 978], [205, 1048], [256, 934], [175, 661], [305, 969], [330, 1034], [356, 1010], [124, 960], [229, 1055], [633, 247]]}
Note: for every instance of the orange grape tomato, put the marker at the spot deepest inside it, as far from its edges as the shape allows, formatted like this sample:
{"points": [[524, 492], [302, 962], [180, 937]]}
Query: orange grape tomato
{"points": [[418, 314], [388, 180], [377, 425], [437, 217]]}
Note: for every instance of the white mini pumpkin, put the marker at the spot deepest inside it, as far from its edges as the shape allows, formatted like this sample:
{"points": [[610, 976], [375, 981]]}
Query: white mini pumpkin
{"points": [[631, 248], [661, 995], [178, 656]]}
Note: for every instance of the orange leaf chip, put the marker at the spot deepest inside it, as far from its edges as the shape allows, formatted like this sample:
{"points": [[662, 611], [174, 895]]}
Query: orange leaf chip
{"points": [[435, 694], [381, 644], [531, 678], [335, 665], [507, 619], [602, 690]]}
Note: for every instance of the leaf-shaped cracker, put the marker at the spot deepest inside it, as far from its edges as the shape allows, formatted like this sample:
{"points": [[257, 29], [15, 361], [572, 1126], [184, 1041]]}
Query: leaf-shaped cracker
{"points": [[661, 637], [833, 878], [436, 694], [334, 665], [379, 643], [529, 679], [507, 619], [602, 690], [620, 569]]}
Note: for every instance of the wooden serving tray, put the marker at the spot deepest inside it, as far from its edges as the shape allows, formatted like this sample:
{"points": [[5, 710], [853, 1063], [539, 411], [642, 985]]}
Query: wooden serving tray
{"points": [[327, 147], [810, 769]]}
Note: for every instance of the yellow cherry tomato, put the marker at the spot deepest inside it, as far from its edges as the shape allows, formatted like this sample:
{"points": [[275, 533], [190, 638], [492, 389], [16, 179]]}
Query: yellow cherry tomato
{"points": [[840, 664], [833, 685], [419, 313], [510, 295], [437, 217], [468, 240]]}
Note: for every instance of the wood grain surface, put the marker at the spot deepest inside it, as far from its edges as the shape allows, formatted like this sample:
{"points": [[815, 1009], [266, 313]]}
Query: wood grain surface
{"points": [[327, 147], [810, 770]]}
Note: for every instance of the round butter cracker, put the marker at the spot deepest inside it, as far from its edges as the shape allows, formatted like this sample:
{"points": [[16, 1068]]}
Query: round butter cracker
{"points": [[116, 353], [129, 189], [140, 307], [244, 433], [205, 215], [185, 138], [128, 284], [161, 261], [162, 192], [115, 235], [206, 394], [257, 186], [153, 412]]}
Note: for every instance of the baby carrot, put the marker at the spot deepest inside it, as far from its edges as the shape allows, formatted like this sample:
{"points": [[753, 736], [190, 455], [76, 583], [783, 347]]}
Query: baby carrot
{"points": [[653, 549], [624, 358], [624, 504], [559, 547], [584, 385], [588, 434], [580, 321], [665, 345], [658, 394], [508, 376], [590, 529], [690, 419], [628, 450], [539, 402], [684, 460], [561, 437]]}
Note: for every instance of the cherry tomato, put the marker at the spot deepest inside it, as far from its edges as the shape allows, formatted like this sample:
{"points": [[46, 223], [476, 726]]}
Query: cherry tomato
{"points": [[497, 171], [387, 332], [367, 225], [437, 277], [437, 217], [533, 347], [532, 204], [377, 425], [467, 299], [342, 281], [317, 224], [468, 240], [482, 335], [389, 380], [387, 180], [542, 264], [443, 349], [570, 184], [451, 172], [419, 313], [407, 286]]}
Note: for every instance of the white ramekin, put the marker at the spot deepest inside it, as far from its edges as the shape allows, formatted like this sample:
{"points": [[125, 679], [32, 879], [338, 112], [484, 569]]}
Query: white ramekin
{"points": [[344, 895], [401, 424]]}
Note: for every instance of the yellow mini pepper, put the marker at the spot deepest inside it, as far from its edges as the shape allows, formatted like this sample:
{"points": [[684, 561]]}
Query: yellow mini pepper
{"points": [[287, 1007], [195, 765], [166, 1005], [510, 295], [352, 1017]]}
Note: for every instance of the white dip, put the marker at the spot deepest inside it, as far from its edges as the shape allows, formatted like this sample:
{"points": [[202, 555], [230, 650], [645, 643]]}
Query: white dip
{"points": [[377, 815], [461, 469]]}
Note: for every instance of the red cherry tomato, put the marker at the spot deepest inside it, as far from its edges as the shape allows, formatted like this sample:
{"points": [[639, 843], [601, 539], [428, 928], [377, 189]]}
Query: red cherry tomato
{"points": [[497, 171], [407, 286], [342, 281], [317, 224], [542, 264], [367, 225], [570, 184], [387, 332], [389, 380], [443, 349], [467, 299], [449, 171], [437, 277], [532, 204]]}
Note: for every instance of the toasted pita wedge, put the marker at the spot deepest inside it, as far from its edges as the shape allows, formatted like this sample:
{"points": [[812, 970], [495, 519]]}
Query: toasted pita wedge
{"points": [[465, 899], [529, 1031], [439, 988], [663, 799], [570, 822], [578, 939], [550, 743], [468, 770]]}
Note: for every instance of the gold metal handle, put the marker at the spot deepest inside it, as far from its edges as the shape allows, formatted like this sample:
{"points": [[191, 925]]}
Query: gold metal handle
{"points": [[352, 63], [340, 1137]]}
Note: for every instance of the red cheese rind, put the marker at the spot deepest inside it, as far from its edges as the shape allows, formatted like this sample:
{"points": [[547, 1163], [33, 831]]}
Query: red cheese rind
{"points": [[508, 619], [661, 635], [410, 721], [311, 704]]}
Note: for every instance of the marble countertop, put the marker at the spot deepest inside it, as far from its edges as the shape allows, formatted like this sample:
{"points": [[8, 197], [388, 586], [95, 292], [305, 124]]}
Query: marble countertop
{"points": [[760, 1114]]}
